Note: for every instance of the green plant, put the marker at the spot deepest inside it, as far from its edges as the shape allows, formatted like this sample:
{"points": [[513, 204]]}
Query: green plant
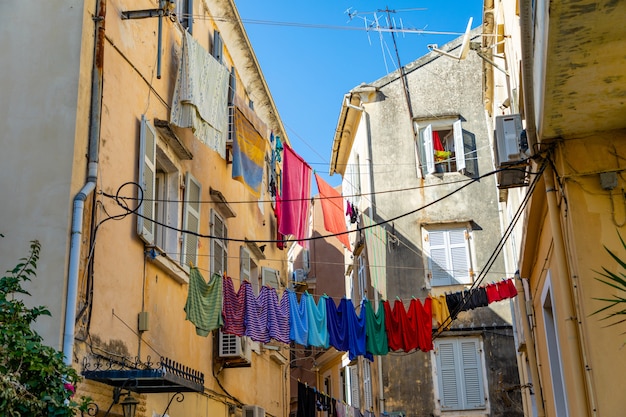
{"points": [[34, 379], [617, 281]]}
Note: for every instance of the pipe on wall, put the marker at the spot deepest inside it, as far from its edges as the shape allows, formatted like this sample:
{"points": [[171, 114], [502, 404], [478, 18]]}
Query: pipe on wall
{"points": [[78, 207]]}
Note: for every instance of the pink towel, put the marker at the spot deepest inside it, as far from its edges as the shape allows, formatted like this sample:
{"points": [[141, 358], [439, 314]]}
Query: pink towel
{"points": [[295, 196]]}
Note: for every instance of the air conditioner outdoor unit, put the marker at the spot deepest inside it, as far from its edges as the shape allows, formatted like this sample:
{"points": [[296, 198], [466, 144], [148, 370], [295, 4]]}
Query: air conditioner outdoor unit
{"points": [[298, 275], [511, 157], [252, 411], [235, 349], [508, 139]]}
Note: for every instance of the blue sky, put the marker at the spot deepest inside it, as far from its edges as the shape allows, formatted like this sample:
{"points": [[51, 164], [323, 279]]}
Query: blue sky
{"points": [[312, 53]]}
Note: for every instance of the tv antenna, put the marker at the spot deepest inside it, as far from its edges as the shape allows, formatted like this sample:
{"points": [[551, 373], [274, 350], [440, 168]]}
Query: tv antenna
{"points": [[465, 45]]}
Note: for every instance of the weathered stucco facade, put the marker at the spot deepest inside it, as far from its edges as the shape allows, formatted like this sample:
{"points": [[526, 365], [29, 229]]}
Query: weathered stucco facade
{"points": [[382, 132], [75, 110]]}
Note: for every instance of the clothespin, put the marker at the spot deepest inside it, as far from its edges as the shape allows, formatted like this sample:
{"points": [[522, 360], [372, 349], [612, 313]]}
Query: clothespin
{"points": [[190, 264], [398, 298]]}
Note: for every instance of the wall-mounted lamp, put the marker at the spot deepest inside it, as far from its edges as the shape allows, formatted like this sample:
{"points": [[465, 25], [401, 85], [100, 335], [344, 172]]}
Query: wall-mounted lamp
{"points": [[129, 404]]}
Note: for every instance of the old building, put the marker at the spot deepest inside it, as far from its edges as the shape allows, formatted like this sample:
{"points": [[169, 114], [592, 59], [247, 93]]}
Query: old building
{"points": [[557, 106], [121, 131], [414, 152]]}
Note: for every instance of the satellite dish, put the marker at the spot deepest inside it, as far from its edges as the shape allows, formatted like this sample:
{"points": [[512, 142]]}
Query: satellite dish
{"points": [[464, 45]]}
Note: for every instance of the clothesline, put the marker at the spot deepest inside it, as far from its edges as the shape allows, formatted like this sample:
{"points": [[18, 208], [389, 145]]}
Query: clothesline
{"points": [[389, 328]]}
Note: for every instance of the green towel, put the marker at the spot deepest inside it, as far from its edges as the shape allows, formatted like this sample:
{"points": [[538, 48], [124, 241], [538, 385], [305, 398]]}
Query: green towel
{"points": [[204, 302], [375, 329]]}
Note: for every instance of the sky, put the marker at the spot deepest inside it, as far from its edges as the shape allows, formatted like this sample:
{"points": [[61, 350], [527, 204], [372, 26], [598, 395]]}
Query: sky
{"points": [[313, 53]]}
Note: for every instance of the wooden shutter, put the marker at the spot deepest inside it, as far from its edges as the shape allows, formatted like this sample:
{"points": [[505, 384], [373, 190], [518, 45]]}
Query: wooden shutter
{"points": [[367, 384], [459, 256], [355, 398], [147, 173], [191, 220], [449, 390], [219, 253], [438, 261], [472, 374], [244, 264], [429, 149], [218, 46], [459, 146], [269, 277]]}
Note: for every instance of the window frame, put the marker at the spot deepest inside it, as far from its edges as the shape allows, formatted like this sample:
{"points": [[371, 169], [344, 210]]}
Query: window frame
{"points": [[185, 17], [426, 142], [461, 380], [452, 251]]}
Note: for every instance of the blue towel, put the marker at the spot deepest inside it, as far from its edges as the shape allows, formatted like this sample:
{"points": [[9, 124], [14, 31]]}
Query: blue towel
{"points": [[318, 327], [299, 326], [338, 324]]}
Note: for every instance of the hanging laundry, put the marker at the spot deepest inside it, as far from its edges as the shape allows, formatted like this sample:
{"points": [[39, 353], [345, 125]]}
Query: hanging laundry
{"points": [[454, 301], [318, 326], [410, 333], [424, 324], [376, 337], [256, 313], [333, 408], [440, 312], [234, 308], [280, 238], [395, 322], [512, 289], [356, 333], [204, 307], [504, 290], [332, 202], [337, 318], [295, 195], [492, 293], [306, 401], [298, 319], [278, 316], [248, 154], [354, 216]]}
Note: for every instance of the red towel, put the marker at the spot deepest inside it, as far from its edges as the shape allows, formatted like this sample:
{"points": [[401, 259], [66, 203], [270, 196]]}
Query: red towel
{"points": [[295, 196], [332, 208]]}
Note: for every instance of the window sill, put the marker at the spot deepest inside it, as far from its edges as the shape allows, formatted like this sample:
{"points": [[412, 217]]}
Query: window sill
{"points": [[172, 267]]}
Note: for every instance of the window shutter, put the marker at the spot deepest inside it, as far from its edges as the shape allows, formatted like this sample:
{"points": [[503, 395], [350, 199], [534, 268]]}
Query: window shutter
{"points": [[448, 375], [367, 384], [459, 256], [429, 149], [472, 374], [269, 277], [355, 399], [459, 147], [191, 220], [147, 172], [244, 264], [438, 258], [217, 46]]}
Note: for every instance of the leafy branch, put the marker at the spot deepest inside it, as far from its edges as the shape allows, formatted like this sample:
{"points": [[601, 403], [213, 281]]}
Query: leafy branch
{"points": [[616, 304]]}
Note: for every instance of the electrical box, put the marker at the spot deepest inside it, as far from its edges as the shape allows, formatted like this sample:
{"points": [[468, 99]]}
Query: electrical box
{"points": [[143, 322]]}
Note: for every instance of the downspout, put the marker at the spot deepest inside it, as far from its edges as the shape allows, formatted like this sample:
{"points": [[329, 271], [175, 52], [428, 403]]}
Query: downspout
{"points": [[90, 185], [530, 347]]}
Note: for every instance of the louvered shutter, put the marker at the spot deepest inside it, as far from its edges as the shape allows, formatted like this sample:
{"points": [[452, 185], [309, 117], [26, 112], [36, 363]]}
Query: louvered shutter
{"points": [[355, 398], [438, 260], [218, 244], [449, 390], [191, 220], [147, 172], [459, 256], [218, 46], [244, 264], [429, 149], [270, 277], [459, 146], [367, 384], [472, 374]]}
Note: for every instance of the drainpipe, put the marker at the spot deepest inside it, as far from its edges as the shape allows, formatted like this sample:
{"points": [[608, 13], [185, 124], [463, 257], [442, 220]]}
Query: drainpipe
{"points": [[577, 395], [526, 26], [92, 175], [530, 347]]}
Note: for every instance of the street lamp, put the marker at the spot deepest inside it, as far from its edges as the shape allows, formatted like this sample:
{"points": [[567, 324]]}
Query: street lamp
{"points": [[129, 405]]}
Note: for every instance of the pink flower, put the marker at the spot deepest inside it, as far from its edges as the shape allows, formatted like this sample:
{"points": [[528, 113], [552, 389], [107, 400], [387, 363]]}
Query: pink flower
{"points": [[70, 387]]}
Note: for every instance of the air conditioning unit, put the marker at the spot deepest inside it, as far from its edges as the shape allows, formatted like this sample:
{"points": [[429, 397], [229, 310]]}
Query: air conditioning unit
{"points": [[511, 147], [299, 275], [252, 411], [508, 139], [234, 350]]}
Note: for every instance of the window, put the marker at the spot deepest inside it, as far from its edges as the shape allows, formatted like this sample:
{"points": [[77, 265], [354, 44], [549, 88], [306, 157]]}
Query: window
{"points": [[219, 246], [184, 10], [159, 212], [459, 373], [445, 147], [448, 256], [362, 276], [554, 350], [217, 49], [352, 386]]}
